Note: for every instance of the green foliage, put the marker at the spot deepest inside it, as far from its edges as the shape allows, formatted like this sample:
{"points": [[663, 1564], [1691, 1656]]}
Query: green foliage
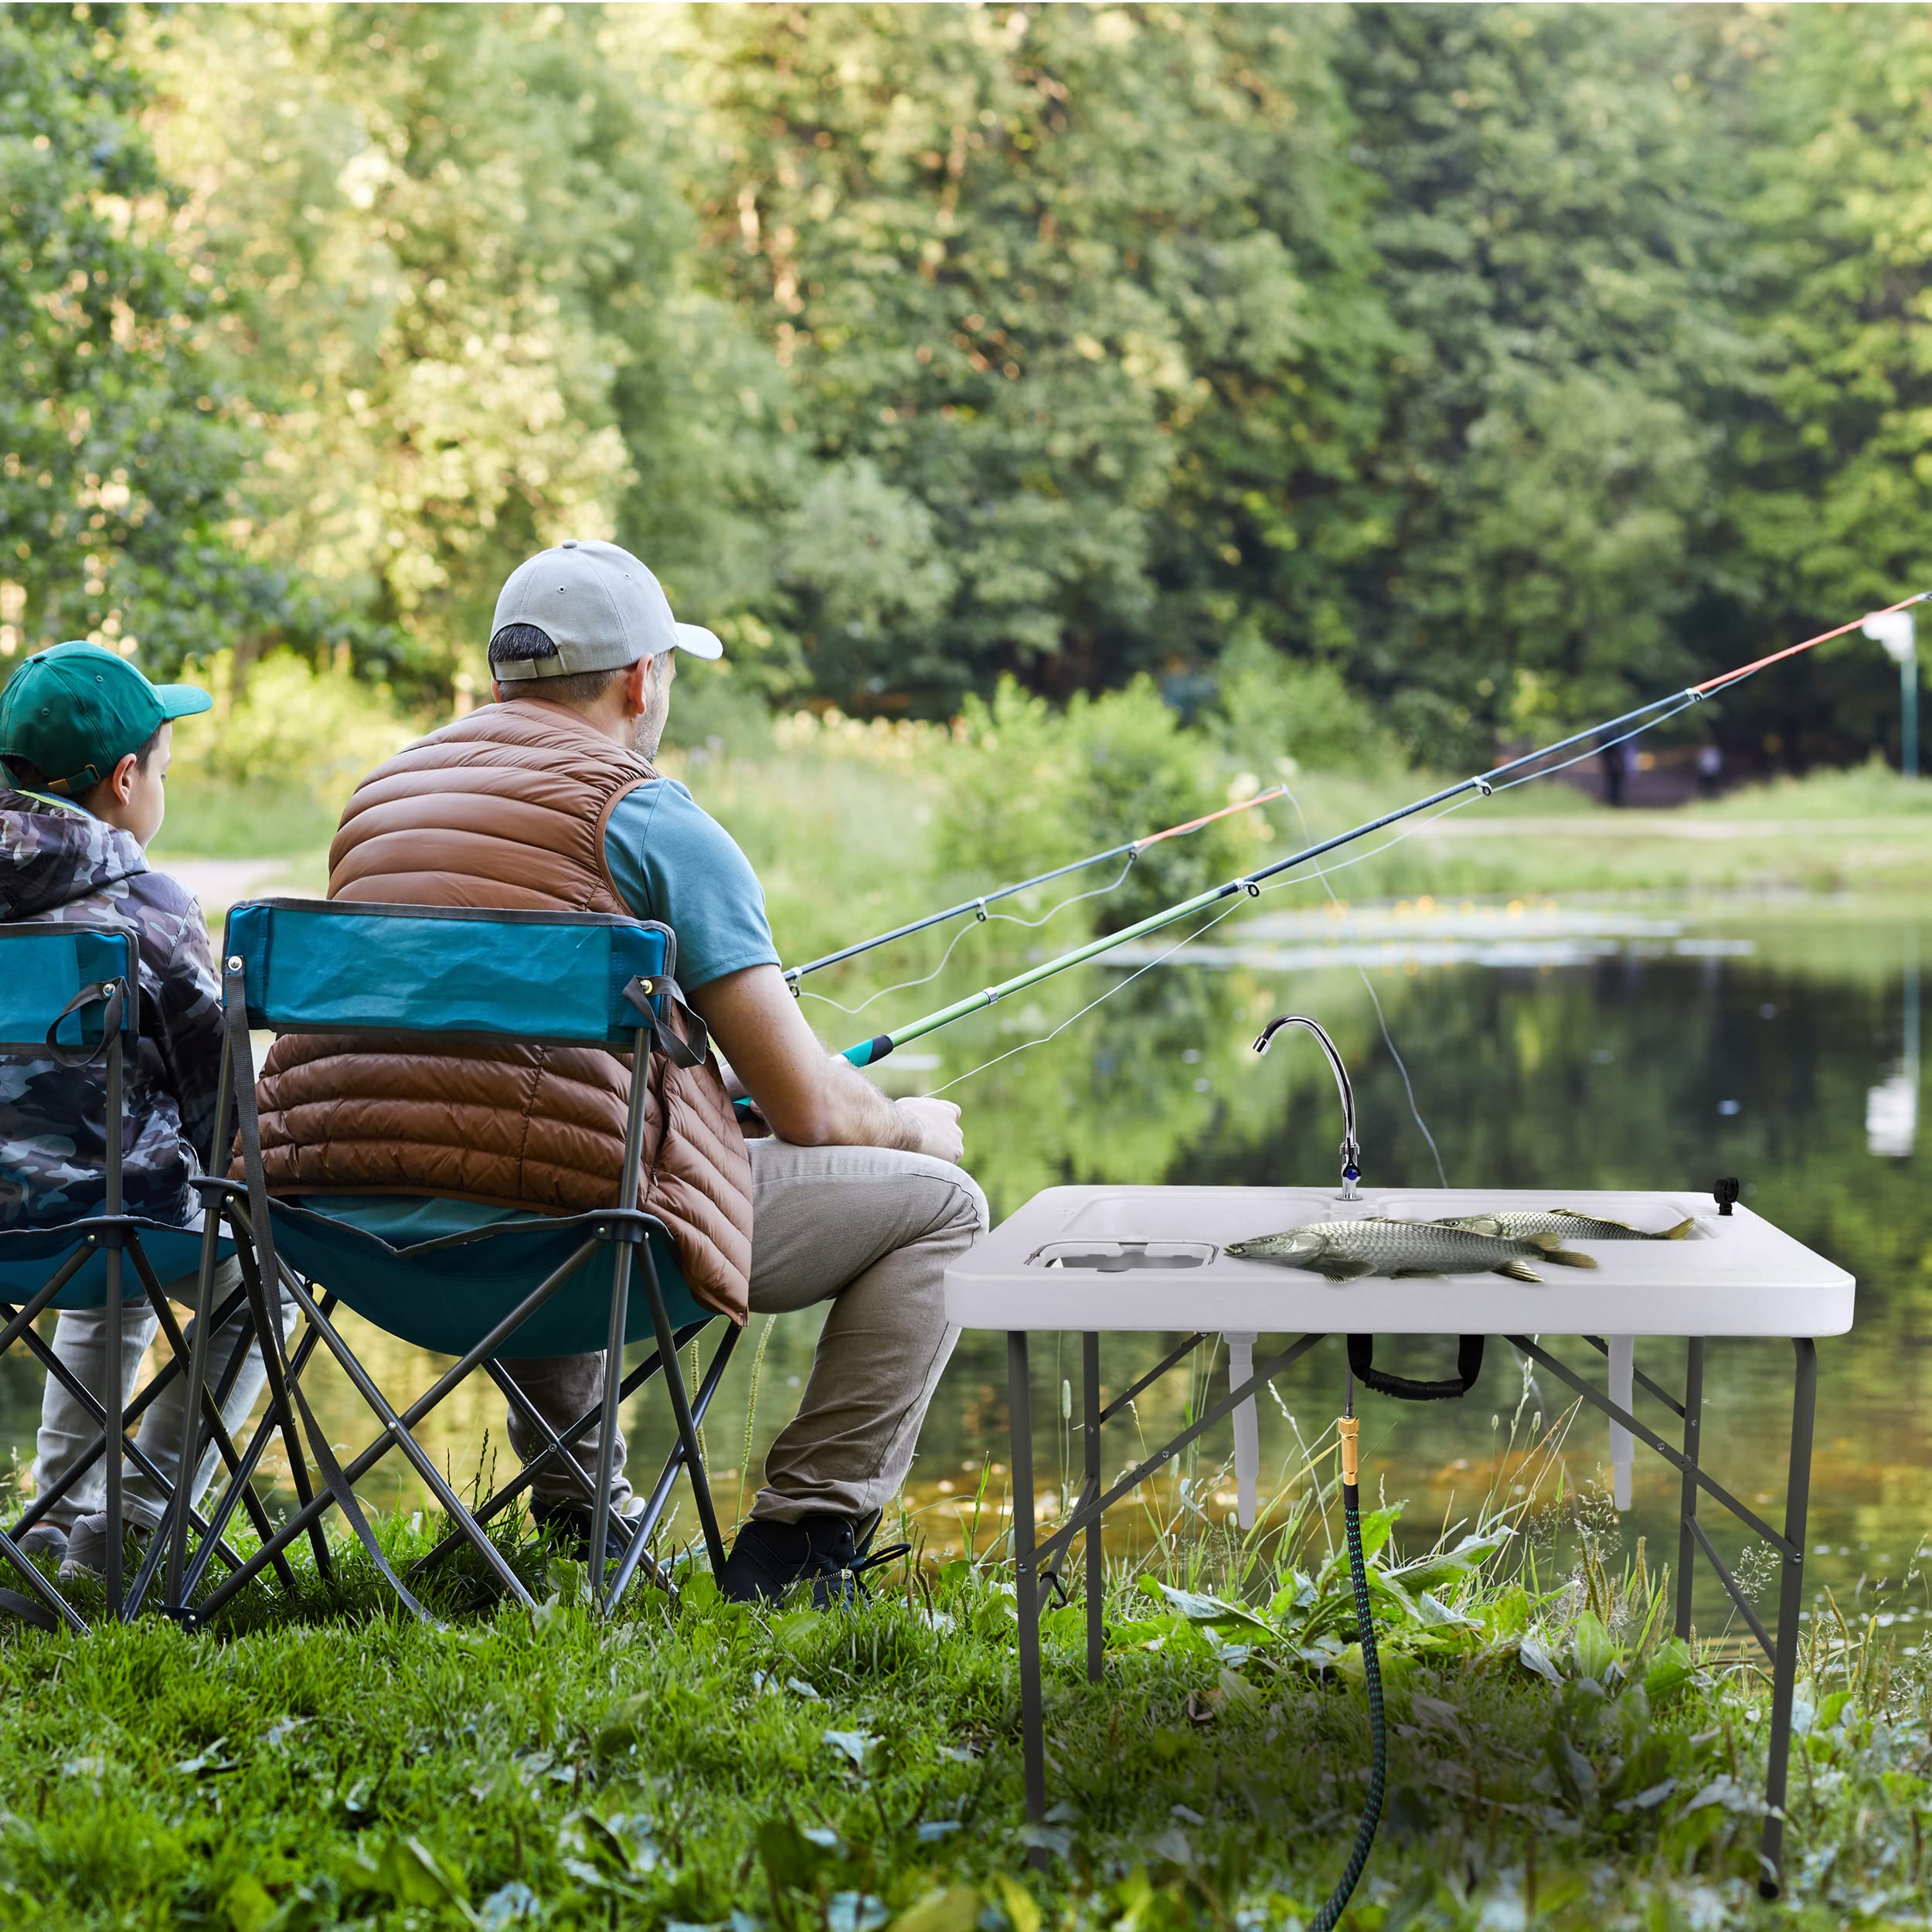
{"points": [[1278, 716], [1504, 364], [122, 455], [1030, 790], [329, 1762]]}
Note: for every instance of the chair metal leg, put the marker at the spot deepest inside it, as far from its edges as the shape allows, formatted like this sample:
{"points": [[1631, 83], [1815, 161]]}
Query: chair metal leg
{"points": [[613, 1390], [268, 1333], [1791, 1603], [191, 1409], [1095, 1552], [1687, 1505], [307, 1519], [555, 1444], [419, 1458], [681, 1410], [114, 1401], [239, 1485], [661, 1491], [1025, 1563], [57, 1605]]}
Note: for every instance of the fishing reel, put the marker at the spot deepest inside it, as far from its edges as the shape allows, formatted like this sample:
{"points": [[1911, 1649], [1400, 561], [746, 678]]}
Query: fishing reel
{"points": [[1351, 1148]]}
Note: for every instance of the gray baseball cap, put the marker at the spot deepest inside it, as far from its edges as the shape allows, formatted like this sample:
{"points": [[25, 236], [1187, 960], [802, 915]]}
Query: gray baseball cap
{"points": [[600, 607]]}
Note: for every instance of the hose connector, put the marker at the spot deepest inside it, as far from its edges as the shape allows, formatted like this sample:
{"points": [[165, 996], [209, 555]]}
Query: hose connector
{"points": [[1350, 1428]]}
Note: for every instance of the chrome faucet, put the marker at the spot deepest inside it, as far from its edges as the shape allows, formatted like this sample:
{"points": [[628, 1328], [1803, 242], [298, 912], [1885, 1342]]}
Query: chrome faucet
{"points": [[1351, 1148]]}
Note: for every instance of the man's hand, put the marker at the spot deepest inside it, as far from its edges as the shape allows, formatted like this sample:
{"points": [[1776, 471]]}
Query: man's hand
{"points": [[809, 1097], [937, 1124]]}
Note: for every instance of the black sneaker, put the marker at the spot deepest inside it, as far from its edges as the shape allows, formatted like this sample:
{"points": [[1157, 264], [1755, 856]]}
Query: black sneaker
{"points": [[769, 1559], [570, 1523]]}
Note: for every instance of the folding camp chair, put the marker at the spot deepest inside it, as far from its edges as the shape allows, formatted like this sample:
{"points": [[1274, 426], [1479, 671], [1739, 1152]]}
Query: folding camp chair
{"points": [[71, 994], [534, 1285]]}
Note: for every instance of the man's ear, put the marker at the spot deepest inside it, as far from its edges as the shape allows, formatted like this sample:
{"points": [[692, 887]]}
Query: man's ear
{"points": [[637, 689]]}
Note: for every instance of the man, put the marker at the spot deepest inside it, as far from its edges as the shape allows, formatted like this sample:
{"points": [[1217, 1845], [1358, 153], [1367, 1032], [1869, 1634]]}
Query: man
{"points": [[86, 742], [547, 798]]}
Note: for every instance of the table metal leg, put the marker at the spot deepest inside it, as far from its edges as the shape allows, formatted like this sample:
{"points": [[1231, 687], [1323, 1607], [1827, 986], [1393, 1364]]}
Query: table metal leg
{"points": [[1247, 1434], [1791, 1603], [1096, 1553], [1687, 1507], [1623, 1364], [1032, 1741]]}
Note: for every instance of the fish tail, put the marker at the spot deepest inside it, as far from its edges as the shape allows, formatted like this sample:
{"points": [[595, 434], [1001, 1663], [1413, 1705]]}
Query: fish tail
{"points": [[1679, 1232]]}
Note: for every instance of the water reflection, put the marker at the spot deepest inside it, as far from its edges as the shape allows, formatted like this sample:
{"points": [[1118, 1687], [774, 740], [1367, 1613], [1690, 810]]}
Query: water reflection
{"points": [[1645, 1062]]}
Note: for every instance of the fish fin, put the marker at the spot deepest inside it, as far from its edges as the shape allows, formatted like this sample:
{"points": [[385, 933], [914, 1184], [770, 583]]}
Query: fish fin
{"points": [[1677, 1233], [1602, 1220], [1415, 1274], [1338, 1270], [1518, 1271], [1569, 1258], [1548, 1243]]}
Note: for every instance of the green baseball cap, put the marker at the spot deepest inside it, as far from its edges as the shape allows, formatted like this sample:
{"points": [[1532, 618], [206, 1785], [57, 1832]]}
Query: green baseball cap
{"points": [[77, 710]]}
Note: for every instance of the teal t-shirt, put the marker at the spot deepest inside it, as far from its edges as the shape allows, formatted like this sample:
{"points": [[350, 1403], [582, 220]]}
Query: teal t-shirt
{"points": [[671, 861]]}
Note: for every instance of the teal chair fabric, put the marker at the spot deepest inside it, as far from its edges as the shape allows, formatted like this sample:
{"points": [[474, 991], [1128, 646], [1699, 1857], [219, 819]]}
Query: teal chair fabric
{"points": [[28, 1256], [441, 1295]]}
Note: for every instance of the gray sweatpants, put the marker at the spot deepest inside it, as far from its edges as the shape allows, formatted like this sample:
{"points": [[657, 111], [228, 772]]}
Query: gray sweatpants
{"points": [[67, 1431], [872, 1231]]}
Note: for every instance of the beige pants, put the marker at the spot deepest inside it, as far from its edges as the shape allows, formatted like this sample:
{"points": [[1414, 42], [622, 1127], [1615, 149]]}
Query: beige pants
{"points": [[872, 1232]]}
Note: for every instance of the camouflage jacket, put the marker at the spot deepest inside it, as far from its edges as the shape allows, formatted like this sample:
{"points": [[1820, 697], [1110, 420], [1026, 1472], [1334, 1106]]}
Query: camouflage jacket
{"points": [[60, 863]]}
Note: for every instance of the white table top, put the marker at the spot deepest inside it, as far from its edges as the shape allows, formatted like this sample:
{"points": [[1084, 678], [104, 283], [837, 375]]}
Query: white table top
{"points": [[1730, 1276]]}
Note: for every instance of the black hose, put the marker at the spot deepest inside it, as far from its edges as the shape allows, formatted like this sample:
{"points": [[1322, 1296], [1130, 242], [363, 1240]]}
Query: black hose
{"points": [[1330, 1915]]}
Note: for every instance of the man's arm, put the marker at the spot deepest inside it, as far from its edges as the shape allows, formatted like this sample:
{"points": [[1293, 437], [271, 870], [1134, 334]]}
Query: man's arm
{"points": [[809, 1097]]}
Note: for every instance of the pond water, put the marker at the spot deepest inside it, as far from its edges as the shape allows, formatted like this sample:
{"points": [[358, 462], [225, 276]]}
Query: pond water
{"points": [[1597, 1046]]}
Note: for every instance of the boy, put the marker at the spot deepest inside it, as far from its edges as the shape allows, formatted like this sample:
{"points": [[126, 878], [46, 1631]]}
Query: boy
{"points": [[85, 742]]}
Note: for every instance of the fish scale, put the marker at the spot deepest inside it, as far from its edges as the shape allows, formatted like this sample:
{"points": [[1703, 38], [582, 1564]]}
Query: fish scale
{"points": [[1380, 1244], [1521, 1223]]}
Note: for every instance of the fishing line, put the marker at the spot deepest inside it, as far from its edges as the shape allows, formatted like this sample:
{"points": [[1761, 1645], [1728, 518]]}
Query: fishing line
{"points": [[1368, 986], [1117, 987], [1009, 919], [1232, 907], [1322, 872]]}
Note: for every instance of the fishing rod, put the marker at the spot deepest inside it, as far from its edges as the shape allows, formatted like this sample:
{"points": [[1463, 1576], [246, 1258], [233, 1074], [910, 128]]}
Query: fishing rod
{"points": [[1130, 851], [869, 1052]]}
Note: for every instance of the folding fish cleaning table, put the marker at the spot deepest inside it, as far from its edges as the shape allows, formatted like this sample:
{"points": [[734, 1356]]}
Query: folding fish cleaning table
{"points": [[1153, 1260]]}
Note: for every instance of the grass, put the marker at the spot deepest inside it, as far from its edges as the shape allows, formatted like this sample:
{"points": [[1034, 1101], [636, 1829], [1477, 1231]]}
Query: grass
{"points": [[1556, 1759]]}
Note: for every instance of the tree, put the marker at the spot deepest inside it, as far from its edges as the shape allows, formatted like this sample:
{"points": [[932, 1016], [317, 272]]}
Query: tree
{"points": [[1073, 314], [465, 316], [123, 457], [1557, 257]]}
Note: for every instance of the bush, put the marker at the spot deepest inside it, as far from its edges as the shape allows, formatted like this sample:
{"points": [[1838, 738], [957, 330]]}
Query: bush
{"points": [[1031, 789], [1272, 707], [271, 770]]}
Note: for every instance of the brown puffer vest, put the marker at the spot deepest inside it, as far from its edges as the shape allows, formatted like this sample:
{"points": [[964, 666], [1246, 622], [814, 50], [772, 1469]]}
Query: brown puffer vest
{"points": [[504, 807]]}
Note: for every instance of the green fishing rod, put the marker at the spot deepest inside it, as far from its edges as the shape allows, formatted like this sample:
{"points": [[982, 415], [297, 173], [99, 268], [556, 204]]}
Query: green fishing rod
{"points": [[1511, 771]]}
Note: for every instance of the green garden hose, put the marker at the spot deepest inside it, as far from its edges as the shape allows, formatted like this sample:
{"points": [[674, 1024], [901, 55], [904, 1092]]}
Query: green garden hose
{"points": [[1330, 1915]]}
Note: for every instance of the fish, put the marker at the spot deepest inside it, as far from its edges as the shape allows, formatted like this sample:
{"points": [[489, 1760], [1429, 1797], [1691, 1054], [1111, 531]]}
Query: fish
{"points": [[1520, 1224], [1380, 1244]]}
